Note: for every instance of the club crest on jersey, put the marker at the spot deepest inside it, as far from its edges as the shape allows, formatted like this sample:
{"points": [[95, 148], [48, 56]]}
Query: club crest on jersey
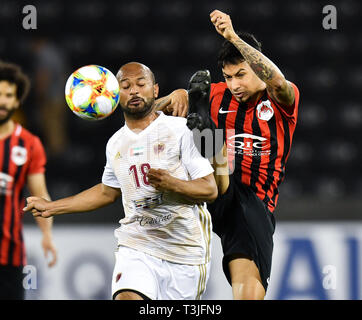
{"points": [[159, 147], [264, 110], [19, 155]]}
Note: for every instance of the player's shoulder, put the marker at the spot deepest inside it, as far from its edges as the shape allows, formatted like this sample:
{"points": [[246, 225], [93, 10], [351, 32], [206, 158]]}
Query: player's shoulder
{"points": [[177, 124], [219, 85], [217, 88], [25, 134], [115, 137], [172, 120]]}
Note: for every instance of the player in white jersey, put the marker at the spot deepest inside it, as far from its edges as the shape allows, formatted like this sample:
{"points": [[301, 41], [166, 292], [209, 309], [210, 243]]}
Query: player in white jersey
{"points": [[164, 241]]}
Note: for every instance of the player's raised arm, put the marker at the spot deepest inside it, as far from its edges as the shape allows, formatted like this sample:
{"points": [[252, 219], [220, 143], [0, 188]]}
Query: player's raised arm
{"points": [[91, 199], [175, 104], [278, 87]]}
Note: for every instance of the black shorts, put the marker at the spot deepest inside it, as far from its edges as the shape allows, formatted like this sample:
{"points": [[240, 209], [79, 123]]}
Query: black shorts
{"points": [[245, 226], [11, 283]]}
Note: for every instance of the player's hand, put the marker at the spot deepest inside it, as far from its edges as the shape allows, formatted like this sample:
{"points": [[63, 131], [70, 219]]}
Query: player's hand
{"points": [[38, 207], [48, 246], [160, 179], [176, 104], [222, 23]]}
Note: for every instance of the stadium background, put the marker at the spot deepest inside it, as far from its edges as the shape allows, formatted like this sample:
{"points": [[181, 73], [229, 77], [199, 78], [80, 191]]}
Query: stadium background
{"points": [[320, 197]]}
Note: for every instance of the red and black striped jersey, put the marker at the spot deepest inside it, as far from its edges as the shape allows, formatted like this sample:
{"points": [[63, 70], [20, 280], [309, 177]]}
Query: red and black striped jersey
{"points": [[21, 154], [258, 136]]}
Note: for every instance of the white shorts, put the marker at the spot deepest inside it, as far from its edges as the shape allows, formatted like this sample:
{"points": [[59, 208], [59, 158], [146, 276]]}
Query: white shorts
{"points": [[157, 279]]}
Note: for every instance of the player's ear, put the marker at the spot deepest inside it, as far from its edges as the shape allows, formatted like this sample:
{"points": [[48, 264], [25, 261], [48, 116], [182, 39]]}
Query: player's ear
{"points": [[155, 90]]}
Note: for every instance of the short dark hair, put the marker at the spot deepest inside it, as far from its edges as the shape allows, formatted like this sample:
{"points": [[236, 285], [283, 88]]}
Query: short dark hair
{"points": [[229, 54], [13, 74]]}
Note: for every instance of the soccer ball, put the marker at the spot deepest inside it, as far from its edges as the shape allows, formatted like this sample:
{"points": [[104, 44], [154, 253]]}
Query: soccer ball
{"points": [[92, 92]]}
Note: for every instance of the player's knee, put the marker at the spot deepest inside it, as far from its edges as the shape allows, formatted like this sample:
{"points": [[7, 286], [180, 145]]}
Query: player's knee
{"points": [[128, 295], [248, 288]]}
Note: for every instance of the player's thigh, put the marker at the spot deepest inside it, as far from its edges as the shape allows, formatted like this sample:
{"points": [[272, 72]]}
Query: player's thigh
{"points": [[185, 282], [242, 268], [133, 275], [221, 170]]}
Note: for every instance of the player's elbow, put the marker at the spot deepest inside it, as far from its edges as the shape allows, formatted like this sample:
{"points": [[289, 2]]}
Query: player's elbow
{"points": [[212, 193], [279, 84], [109, 194]]}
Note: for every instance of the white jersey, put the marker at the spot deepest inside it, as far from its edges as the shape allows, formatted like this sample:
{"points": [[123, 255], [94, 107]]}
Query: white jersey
{"points": [[160, 224]]}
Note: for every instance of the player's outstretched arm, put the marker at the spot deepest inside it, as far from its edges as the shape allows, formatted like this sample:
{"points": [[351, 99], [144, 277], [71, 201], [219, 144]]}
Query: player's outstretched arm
{"points": [[198, 190], [278, 87], [96, 197], [37, 187]]}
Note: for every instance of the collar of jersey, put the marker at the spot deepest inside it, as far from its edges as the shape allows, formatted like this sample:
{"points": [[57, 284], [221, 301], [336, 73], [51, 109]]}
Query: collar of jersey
{"points": [[149, 127]]}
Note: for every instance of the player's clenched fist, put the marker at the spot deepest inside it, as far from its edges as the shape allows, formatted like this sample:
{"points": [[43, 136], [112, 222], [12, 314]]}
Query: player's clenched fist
{"points": [[37, 206], [222, 23], [160, 179]]}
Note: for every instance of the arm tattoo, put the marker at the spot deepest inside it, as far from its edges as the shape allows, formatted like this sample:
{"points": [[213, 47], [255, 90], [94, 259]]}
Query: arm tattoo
{"points": [[267, 72], [263, 68], [161, 103]]}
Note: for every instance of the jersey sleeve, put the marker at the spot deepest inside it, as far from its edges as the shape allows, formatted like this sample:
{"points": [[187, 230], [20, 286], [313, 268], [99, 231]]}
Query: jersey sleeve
{"points": [[291, 116], [196, 165], [212, 91], [108, 177], [37, 157]]}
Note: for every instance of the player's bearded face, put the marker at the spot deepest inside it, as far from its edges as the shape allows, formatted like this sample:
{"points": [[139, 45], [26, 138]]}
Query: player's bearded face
{"points": [[5, 114], [137, 107], [137, 91], [8, 101]]}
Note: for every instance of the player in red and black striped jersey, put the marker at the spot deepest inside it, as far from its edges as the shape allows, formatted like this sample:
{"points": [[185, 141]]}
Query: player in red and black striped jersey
{"points": [[256, 109], [22, 162]]}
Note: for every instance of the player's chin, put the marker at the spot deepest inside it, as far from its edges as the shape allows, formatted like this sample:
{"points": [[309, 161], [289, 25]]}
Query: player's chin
{"points": [[4, 116], [241, 98], [134, 109], [136, 105]]}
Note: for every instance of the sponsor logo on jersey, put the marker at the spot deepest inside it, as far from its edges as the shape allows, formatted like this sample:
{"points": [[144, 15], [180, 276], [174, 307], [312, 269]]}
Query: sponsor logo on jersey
{"points": [[221, 111], [149, 202], [154, 221], [249, 145], [264, 110], [19, 155]]}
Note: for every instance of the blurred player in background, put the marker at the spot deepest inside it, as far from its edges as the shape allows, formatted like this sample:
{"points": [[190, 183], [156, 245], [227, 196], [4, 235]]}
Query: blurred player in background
{"points": [[50, 67], [257, 109], [22, 162], [164, 240]]}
